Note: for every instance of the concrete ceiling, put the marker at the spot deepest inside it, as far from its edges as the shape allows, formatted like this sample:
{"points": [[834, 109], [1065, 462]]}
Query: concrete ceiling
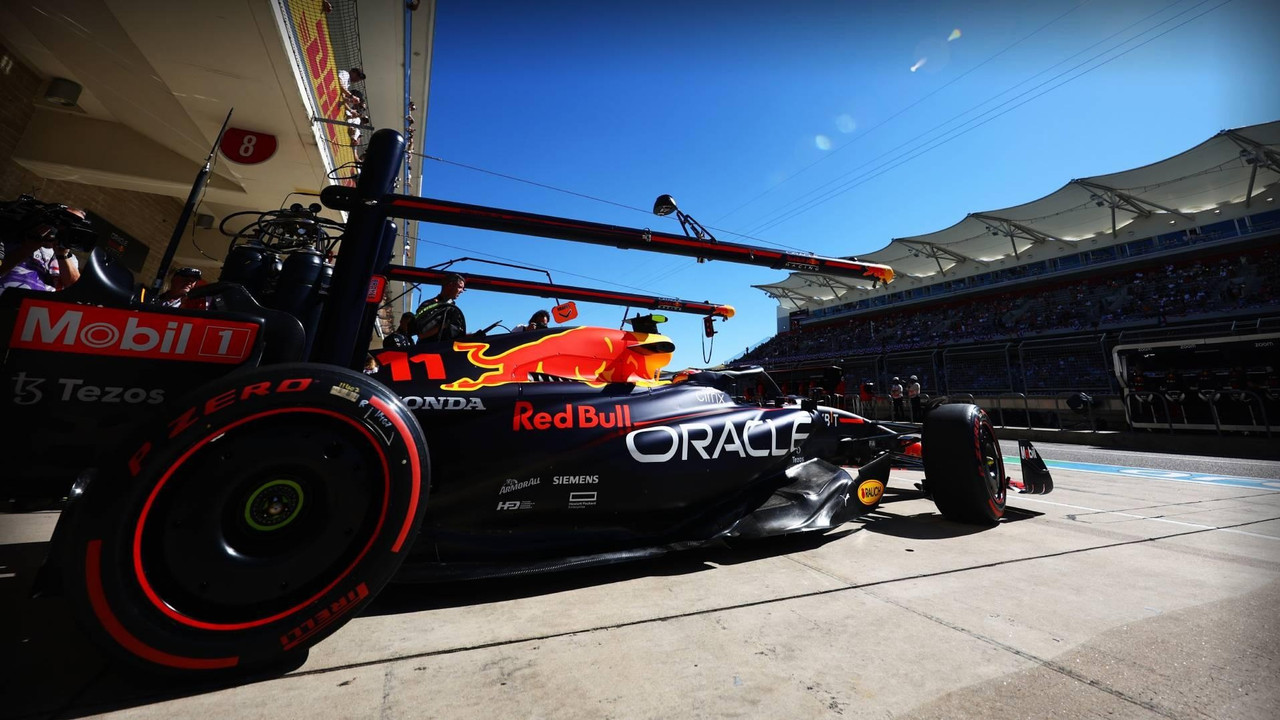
{"points": [[159, 77]]}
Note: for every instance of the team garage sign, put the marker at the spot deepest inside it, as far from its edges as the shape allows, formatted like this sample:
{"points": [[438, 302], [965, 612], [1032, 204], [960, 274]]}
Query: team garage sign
{"points": [[247, 147]]}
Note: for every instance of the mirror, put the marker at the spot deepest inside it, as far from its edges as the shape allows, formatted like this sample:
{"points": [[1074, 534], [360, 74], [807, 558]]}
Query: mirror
{"points": [[646, 323], [664, 205], [564, 312]]}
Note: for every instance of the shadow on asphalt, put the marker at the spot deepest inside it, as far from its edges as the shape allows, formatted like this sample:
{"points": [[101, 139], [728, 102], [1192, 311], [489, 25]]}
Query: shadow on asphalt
{"points": [[53, 670], [57, 671], [929, 525], [419, 596]]}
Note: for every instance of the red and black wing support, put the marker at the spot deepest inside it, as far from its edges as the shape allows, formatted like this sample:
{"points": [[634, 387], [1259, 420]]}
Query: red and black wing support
{"points": [[444, 212], [406, 273]]}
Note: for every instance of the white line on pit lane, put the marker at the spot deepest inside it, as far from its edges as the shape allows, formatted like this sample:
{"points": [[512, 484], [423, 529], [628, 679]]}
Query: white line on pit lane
{"points": [[1145, 517], [1226, 461], [1270, 484]]}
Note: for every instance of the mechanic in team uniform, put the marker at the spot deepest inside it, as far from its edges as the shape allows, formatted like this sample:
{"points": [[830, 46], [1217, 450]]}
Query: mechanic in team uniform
{"points": [[440, 319], [180, 285], [913, 397], [403, 336], [895, 392]]}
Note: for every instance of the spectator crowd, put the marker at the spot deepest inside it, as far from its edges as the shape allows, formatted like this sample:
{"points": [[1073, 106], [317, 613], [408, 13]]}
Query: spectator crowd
{"points": [[1150, 296], [1227, 286]]}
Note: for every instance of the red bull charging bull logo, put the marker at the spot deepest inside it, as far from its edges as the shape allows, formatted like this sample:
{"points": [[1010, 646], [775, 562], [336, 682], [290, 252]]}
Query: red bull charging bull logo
{"points": [[595, 356]]}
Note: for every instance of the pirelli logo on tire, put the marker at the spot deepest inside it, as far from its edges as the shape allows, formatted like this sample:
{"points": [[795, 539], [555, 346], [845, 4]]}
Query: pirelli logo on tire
{"points": [[327, 615]]}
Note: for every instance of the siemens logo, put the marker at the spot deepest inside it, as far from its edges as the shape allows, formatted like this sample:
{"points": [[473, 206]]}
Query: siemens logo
{"points": [[575, 479]]}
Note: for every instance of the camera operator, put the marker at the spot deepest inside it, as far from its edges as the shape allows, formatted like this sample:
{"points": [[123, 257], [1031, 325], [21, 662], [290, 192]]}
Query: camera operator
{"points": [[40, 261]]}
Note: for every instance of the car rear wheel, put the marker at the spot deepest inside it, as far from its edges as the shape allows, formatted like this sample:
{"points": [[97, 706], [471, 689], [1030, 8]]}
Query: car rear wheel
{"points": [[270, 507], [963, 466]]}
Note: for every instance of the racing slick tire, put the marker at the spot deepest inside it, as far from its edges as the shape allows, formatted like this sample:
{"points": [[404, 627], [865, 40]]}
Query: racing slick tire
{"points": [[266, 512], [963, 467]]}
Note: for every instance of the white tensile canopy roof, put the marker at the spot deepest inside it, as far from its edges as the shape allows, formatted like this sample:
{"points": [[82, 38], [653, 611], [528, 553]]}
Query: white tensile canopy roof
{"points": [[1228, 169]]}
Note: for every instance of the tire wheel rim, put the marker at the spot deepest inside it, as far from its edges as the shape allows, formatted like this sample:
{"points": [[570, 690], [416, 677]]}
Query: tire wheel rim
{"points": [[262, 518], [992, 464]]}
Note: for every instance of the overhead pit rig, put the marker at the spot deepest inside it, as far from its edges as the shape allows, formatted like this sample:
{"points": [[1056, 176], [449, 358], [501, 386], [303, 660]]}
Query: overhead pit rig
{"points": [[370, 210]]}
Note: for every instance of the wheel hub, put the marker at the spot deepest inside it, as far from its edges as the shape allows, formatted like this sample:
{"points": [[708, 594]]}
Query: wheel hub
{"points": [[993, 468], [274, 505]]}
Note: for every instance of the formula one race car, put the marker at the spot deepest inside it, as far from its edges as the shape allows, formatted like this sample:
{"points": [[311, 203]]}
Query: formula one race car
{"points": [[241, 490]]}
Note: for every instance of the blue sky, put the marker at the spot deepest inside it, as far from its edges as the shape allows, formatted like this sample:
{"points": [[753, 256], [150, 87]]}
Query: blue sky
{"points": [[792, 122]]}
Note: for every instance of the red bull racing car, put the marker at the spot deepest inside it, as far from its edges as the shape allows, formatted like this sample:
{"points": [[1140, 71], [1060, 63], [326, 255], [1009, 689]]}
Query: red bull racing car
{"points": [[241, 490]]}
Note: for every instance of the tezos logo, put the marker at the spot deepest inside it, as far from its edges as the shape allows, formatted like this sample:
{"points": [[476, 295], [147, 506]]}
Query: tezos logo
{"points": [[27, 391]]}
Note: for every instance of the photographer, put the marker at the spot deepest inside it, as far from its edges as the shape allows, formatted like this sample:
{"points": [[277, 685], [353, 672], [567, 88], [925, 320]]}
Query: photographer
{"points": [[538, 321], [39, 261]]}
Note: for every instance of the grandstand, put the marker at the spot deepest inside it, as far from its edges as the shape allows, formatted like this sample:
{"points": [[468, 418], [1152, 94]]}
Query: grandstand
{"points": [[1025, 307]]}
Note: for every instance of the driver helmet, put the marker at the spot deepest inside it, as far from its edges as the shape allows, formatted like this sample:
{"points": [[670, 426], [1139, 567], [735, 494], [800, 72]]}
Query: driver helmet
{"points": [[897, 380], [914, 378]]}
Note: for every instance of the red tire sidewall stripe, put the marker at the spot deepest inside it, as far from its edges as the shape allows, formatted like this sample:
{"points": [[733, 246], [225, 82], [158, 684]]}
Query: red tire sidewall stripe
{"points": [[109, 622], [415, 468], [996, 503], [192, 622]]}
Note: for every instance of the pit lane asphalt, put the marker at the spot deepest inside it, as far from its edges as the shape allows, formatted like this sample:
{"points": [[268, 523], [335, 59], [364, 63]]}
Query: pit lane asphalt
{"points": [[1129, 596]]}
